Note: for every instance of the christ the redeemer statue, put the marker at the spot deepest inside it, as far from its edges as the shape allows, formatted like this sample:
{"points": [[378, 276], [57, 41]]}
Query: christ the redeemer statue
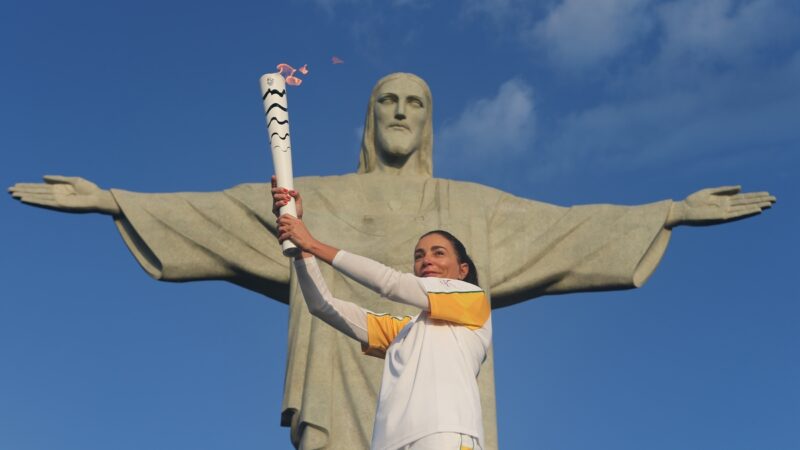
{"points": [[523, 248]]}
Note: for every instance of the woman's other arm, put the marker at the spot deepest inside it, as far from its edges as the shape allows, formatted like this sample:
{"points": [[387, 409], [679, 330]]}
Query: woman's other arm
{"points": [[344, 316], [389, 283], [392, 284]]}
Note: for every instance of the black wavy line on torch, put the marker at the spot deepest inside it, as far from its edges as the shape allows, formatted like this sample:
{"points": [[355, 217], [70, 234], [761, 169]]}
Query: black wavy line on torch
{"points": [[279, 122], [274, 105], [282, 138], [273, 91]]}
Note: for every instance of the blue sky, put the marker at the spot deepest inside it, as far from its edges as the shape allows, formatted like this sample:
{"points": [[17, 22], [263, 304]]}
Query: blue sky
{"points": [[603, 101]]}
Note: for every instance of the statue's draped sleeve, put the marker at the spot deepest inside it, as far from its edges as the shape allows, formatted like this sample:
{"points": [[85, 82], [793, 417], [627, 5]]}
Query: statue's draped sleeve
{"points": [[539, 249], [226, 235]]}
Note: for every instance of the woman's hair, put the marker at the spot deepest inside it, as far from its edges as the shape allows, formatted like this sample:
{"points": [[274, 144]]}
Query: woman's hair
{"points": [[369, 159], [461, 254]]}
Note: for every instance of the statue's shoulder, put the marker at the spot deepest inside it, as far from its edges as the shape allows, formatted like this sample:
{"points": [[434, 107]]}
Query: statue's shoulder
{"points": [[254, 195], [248, 187], [299, 182], [340, 183], [493, 196], [361, 180], [327, 180], [470, 188]]}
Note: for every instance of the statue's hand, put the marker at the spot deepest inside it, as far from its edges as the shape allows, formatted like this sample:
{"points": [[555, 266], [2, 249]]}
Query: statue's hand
{"points": [[717, 205], [67, 194]]}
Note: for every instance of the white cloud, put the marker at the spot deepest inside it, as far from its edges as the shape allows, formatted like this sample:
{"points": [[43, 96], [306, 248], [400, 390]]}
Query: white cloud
{"points": [[580, 33], [490, 127]]}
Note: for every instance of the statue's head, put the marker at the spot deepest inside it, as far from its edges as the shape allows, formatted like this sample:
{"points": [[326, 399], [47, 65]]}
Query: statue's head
{"points": [[398, 130]]}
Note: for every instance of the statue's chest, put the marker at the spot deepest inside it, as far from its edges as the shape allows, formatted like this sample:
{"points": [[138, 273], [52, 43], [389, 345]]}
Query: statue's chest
{"points": [[382, 218], [387, 236]]}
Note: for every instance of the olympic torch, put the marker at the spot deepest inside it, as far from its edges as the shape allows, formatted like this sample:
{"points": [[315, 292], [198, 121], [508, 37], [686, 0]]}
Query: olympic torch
{"points": [[273, 93]]}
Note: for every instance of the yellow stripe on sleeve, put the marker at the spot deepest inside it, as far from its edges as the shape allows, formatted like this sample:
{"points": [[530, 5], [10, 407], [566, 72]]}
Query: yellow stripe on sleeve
{"points": [[470, 309], [381, 331]]}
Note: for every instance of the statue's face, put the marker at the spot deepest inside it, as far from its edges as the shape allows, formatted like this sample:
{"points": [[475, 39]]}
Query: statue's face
{"points": [[400, 113]]}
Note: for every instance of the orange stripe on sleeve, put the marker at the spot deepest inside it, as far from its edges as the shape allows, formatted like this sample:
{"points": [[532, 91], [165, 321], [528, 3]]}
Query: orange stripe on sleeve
{"points": [[470, 309], [381, 331]]}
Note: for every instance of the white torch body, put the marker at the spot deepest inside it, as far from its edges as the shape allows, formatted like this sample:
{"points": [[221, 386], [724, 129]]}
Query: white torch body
{"points": [[273, 93]]}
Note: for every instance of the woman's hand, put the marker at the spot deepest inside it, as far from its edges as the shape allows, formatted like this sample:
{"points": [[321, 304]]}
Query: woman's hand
{"points": [[281, 197], [295, 230]]}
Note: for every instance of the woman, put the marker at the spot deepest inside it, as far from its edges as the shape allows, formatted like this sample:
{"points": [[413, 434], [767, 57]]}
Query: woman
{"points": [[429, 394]]}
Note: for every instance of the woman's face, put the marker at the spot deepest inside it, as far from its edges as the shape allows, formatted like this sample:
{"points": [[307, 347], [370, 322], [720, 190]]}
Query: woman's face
{"points": [[434, 256]]}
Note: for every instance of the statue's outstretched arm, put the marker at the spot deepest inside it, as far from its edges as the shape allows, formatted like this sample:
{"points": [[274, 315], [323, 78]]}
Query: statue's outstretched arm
{"points": [[717, 205], [181, 236], [67, 194]]}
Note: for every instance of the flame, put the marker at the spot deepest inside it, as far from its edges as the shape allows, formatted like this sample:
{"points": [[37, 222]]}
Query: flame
{"points": [[288, 72], [336, 60]]}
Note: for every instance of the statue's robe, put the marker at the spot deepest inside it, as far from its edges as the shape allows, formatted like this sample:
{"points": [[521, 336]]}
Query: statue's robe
{"points": [[522, 249]]}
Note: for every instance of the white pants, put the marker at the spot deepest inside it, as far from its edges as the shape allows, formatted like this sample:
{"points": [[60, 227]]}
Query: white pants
{"points": [[444, 441]]}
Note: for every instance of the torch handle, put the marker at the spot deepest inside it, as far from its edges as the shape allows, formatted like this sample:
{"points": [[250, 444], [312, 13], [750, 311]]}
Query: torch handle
{"points": [[288, 247]]}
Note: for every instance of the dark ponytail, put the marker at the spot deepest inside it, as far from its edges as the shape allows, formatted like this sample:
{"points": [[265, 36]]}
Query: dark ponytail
{"points": [[461, 254]]}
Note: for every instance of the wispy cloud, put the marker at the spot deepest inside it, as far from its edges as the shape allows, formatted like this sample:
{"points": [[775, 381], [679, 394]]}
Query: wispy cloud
{"points": [[720, 116], [330, 5], [683, 82], [580, 33], [721, 30], [499, 126], [412, 3], [499, 10]]}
